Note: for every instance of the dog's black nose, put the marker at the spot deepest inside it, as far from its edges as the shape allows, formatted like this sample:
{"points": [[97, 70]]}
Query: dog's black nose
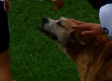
{"points": [[44, 20]]}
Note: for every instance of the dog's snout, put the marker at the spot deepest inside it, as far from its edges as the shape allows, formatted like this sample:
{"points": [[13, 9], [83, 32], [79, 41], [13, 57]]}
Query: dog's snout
{"points": [[45, 20]]}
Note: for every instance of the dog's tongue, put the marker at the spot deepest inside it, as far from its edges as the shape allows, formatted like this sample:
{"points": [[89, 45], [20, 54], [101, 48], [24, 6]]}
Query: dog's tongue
{"points": [[50, 35], [40, 26]]}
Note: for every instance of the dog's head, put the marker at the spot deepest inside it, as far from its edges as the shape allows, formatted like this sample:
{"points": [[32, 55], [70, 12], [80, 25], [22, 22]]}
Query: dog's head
{"points": [[70, 40], [61, 31]]}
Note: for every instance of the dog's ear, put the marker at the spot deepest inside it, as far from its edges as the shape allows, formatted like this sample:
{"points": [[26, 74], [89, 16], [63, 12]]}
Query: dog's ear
{"points": [[75, 37], [72, 37], [80, 38]]}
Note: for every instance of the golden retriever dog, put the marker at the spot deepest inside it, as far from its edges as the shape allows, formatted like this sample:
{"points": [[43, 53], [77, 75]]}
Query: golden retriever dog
{"points": [[91, 54]]}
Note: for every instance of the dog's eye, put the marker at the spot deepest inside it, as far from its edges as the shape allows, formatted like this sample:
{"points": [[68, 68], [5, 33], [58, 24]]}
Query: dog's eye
{"points": [[60, 23]]}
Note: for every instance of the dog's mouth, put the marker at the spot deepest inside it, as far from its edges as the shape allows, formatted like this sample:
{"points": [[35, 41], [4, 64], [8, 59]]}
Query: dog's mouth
{"points": [[48, 33]]}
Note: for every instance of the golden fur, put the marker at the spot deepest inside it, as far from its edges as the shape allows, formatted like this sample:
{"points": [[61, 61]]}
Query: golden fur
{"points": [[92, 55]]}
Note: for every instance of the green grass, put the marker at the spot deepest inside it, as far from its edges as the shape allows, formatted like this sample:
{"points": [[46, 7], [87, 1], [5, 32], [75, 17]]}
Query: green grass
{"points": [[35, 57]]}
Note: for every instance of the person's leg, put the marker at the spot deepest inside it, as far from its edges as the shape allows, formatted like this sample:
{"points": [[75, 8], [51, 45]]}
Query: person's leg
{"points": [[5, 73], [57, 4]]}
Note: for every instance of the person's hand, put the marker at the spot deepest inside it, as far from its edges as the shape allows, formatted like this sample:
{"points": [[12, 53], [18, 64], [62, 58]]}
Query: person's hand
{"points": [[88, 28]]}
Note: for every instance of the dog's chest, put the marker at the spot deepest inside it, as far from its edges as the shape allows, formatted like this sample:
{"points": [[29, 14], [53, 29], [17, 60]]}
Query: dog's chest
{"points": [[82, 67]]}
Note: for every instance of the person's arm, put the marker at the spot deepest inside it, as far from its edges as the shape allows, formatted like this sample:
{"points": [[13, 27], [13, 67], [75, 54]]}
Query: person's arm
{"points": [[7, 6]]}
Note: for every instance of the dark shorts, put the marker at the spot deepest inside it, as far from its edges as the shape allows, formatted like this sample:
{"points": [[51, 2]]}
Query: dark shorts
{"points": [[4, 30]]}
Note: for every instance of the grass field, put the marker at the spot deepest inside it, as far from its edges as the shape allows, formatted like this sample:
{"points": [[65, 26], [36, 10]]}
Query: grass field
{"points": [[34, 56]]}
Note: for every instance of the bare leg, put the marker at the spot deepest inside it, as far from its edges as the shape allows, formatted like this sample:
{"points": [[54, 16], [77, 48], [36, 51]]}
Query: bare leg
{"points": [[5, 73], [58, 4]]}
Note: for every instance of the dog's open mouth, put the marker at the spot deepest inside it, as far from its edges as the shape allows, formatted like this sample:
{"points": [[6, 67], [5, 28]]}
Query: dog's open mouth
{"points": [[49, 34]]}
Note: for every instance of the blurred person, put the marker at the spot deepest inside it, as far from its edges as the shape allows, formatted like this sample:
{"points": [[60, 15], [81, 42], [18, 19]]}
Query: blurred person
{"points": [[5, 72], [104, 7]]}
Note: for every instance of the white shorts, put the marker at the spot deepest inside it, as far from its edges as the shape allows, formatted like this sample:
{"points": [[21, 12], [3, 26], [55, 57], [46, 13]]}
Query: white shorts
{"points": [[105, 16]]}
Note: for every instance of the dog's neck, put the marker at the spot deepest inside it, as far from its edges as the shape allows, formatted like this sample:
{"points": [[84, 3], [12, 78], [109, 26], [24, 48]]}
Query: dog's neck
{"points": [[91, 43], [84, 55]]}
